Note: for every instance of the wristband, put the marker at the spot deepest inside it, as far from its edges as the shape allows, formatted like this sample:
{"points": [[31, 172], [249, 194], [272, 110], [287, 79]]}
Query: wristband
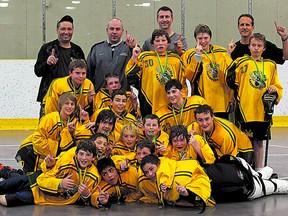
{"points": [[198, 57], [86, 197], [285, 38], [60, 185]]}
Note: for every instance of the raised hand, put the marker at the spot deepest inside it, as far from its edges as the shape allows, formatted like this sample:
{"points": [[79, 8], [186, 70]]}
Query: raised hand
{"points": [[136, 52], [71, 127], [140, 123], [83, 114], [231, 47], [90, 125], [103, 196], [178, 45], [124, 165], [83, 189], [192, 141], [281, 30], [130, 41], [91, 93], [199, 48], [161, 148], [181, 189], [192, 132], [52, 60], [163, 187], [184, 156], [133, 99]]}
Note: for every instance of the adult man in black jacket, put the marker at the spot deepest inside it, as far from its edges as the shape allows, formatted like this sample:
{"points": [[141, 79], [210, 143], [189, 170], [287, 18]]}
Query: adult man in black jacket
{"points": [[55, 56]]}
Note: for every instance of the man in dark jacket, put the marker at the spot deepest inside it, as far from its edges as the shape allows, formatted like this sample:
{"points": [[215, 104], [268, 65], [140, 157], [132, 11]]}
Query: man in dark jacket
{"points": [[55, 56]]}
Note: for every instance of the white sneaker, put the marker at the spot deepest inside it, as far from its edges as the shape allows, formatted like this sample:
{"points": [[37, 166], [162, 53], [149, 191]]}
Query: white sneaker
{"points": [[265, 172], [282, 186]]}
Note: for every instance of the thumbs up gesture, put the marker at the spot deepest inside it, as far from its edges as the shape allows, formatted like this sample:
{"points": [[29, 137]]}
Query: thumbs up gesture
{"points": [[52, 60], [83, 189]]}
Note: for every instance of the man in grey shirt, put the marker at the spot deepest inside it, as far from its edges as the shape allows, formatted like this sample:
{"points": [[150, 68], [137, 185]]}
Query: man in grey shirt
{"points": [[165, 19], [110, 56]]}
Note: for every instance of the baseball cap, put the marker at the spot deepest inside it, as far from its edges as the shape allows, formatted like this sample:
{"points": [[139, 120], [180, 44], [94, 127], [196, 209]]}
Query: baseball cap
{"points": [[66, 18]]}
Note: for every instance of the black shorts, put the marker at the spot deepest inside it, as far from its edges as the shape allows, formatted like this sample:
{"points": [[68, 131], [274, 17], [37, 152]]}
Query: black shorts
{"points": [[256, 130]]}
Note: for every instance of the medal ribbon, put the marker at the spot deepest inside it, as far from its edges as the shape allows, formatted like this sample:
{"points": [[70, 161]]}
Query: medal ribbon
{"points": [[124, 119], [260, 72], [80, 93], [213, 65], [181, 113], [62, 123], [160, 64], [81, 180]]}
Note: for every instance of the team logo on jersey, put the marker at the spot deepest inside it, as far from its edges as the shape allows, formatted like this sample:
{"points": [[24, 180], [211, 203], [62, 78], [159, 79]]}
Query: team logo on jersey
{"points": [[212, 71], [258, 79], [249, 133], [164, 76], [166, 127]]}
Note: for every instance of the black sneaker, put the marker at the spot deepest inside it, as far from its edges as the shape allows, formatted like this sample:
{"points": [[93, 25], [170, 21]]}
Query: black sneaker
{"points": [[274, 176], [5, 170]]}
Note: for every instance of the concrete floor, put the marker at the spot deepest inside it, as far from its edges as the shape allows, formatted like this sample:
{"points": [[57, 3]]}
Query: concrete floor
{"points": [[271, 205]]}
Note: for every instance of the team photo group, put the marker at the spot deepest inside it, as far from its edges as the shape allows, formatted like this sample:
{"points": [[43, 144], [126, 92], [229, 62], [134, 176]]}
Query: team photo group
{"points": [[157, 122]]}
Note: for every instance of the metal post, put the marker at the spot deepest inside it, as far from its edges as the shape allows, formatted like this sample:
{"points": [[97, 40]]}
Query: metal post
{"points": [[183, 18], [44, 21], [250, 7], [113, 8]]}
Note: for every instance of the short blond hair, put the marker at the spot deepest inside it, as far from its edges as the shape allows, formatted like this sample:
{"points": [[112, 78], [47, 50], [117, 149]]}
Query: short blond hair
{"points": [[130, 127]]}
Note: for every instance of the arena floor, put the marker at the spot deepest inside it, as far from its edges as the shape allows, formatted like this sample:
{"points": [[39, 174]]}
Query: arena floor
{"points": [[270, 205]]}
